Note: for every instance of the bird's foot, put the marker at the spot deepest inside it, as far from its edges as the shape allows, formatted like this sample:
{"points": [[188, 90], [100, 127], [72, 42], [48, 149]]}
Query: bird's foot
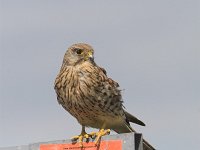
{"points": [[83, 136], [101, 133]]}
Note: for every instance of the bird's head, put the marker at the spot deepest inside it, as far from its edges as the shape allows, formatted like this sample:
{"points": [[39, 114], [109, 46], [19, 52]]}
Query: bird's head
{"points": [[78, 53]]}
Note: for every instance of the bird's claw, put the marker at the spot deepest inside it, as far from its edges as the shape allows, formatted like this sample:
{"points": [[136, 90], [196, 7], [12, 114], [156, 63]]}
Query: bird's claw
{"points": [[83, 136], [86, 136], [101, 133]]}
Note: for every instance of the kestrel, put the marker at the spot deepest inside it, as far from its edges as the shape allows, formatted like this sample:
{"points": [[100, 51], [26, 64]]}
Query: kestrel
{"points": [[87, 93]]}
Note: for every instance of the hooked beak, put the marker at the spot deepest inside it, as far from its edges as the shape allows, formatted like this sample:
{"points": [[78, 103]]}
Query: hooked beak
{"points": [[90, 56]]}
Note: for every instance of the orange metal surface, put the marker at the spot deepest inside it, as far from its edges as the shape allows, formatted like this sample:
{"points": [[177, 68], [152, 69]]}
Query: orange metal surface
{"points": [[105, 145]]}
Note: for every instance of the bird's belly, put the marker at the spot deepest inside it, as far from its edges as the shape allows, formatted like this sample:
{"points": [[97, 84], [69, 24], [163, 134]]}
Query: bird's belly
{"points": [[106, 122], [94, 117], [92, 107]]}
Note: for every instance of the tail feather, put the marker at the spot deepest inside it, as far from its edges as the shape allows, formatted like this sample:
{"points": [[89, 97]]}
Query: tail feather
{"points": [[133, 119], [126, 128]]}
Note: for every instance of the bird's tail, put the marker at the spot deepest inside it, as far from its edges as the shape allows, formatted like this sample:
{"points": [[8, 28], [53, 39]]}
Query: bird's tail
{"points": [[127, 129], [131, 118]]}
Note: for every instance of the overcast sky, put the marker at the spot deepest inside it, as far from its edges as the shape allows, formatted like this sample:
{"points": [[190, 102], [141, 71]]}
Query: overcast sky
{"points": [[151, 48]]}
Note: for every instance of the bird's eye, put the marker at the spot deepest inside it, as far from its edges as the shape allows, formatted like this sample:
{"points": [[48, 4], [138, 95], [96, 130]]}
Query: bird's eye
{"points": [[79, 51]]}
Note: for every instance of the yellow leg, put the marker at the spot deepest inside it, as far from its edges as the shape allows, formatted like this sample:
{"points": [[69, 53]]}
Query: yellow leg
{"points": [[82, 136], [101, 133]]}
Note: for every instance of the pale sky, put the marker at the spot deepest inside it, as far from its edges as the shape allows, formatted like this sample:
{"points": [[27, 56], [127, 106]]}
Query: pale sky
{"points": [[151, 48]]}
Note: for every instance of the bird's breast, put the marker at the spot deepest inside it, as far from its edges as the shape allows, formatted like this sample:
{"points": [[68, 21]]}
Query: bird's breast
{"points": [[88, 96]]}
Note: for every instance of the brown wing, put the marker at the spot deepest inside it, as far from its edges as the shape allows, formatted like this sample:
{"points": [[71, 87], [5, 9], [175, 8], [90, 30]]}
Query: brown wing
{"points": [[103, 70], [111, 81], [110, 94]]}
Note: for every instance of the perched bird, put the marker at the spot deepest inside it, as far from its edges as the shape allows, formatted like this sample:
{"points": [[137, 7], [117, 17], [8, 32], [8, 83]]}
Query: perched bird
{"points": [[84, 90]]}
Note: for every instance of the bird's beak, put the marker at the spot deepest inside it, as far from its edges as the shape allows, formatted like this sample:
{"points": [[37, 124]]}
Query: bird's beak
{"points": [[90, 56]]}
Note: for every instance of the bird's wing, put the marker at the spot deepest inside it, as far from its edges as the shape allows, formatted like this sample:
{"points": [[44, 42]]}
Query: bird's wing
{"points": [[111, 81], [103, 70]]}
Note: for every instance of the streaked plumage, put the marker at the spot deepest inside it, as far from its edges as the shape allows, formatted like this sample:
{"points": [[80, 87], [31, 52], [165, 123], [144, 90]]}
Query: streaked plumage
{"points": [[85, 91]]}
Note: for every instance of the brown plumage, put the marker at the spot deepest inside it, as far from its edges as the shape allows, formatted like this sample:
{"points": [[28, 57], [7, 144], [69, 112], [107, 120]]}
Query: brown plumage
{"points": [[85, 91]]}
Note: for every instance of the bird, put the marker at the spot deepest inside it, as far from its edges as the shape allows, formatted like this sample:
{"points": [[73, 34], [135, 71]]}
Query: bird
{"points": [[88, 94]]}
